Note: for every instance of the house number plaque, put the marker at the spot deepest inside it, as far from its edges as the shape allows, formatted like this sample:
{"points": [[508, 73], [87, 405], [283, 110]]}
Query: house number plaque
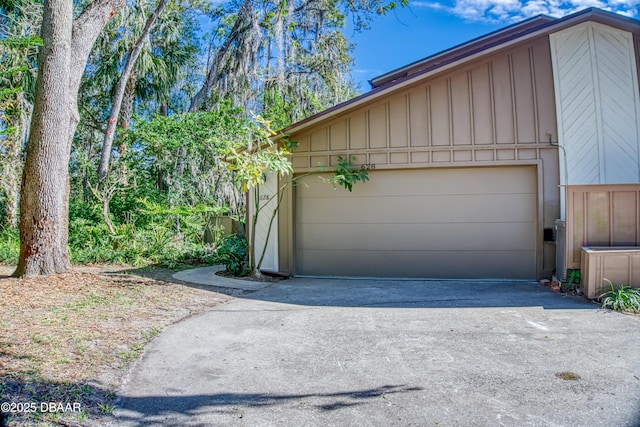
{"points": [[367, 166]]}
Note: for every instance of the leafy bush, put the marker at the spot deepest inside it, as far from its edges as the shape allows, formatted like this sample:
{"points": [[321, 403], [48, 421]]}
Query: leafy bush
{"points": [[156, 235], [573, 281], [162, 236], [9, 246], [233, 254], [90, 243], [621, 298]]}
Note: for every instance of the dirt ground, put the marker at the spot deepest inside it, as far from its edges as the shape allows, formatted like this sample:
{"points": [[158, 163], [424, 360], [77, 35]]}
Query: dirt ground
{"points": [[67, 341]]}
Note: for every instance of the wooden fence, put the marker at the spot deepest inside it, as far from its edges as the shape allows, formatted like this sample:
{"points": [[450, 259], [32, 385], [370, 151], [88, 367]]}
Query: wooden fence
{"points": [[601, 215]]}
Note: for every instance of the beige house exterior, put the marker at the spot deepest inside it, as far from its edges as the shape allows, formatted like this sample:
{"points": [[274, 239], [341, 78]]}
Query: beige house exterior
{"points": [[468, 152]]}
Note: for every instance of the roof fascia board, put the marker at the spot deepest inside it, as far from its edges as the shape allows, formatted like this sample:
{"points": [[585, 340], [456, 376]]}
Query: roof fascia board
{"points": [[478, 43]]}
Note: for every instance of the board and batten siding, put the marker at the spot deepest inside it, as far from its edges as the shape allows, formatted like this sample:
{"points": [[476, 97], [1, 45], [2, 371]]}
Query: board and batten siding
{"points": [[598, 105], [499, 110]]}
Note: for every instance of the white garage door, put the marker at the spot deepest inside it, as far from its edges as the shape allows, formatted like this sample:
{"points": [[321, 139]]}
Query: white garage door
{"points": [[472, 222]]}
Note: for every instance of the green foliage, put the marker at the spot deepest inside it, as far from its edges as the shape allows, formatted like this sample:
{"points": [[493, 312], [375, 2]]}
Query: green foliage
{"points": [[392, 5], [249, 168], [9, 246], [621, 298], [175, 170], [166, 63], [168, 237], [249, 164], [190, 221], [574, 277], [198, 130], [276, 110], [19, 44], [233, 254], [347, 174], [186, 151], [171, 182], [573, 280], [22, 42]]}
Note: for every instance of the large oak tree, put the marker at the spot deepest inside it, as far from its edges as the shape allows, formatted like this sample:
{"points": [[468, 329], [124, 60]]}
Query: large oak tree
{"points": [[44, 196]]}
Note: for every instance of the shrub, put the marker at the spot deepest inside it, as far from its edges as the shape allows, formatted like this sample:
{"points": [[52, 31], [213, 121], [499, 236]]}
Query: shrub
{"points": [[621, 298], [9, 245], [156, 234], [233, 254]]}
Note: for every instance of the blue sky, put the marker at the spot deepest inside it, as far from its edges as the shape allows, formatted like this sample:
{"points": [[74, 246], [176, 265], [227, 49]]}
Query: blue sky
{"points": [[425, 28]]}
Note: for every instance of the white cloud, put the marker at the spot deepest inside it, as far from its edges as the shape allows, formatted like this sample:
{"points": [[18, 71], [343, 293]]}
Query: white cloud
{"points": [[515, 10], [372, 72]]}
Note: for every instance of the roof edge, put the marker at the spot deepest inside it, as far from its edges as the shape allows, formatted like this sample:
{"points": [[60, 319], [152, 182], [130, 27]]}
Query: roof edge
{"points": [[502, 33], [466, 52]]}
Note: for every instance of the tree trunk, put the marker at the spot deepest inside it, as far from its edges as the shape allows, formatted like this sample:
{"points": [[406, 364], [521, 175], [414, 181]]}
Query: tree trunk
{"points": [[105, 214], [120, 90], [126, 113], [11, 197], [44, 196], [45, 192]]}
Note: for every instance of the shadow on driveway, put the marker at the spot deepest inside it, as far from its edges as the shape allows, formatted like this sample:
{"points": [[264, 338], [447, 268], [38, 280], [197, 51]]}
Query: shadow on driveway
{"points": [[344, 352], [378, 292], [419, 294], [151, 410]]}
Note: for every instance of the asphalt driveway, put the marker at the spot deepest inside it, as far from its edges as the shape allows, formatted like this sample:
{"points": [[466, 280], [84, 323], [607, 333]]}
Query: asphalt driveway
{"points": [[319, 352]]}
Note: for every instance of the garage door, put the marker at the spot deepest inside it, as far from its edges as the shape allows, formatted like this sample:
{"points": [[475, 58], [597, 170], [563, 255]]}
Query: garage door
{"points": [[455, 223]]}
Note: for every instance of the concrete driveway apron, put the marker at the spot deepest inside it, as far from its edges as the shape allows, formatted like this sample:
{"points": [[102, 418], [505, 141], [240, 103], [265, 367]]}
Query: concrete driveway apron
{"points": [[332, 352]]}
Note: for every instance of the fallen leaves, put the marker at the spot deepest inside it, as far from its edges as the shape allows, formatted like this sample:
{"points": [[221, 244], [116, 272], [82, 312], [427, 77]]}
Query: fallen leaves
{"points": [[85, 326]]}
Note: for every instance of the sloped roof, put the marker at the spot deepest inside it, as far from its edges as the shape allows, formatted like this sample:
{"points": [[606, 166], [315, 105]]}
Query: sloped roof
{"points": [[476, 45], [471, 50]]}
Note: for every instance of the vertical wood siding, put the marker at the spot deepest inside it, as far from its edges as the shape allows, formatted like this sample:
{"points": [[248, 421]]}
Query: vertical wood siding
{"points": [[598, 104], [496, 110], [264, 237], [601, 215]]}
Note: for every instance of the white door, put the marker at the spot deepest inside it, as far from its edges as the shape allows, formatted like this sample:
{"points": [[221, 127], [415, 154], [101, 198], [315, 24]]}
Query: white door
{"points": [[266, 234]]}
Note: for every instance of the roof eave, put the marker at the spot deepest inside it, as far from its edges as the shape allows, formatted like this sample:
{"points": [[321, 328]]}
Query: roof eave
{"points": [[494, 37]]}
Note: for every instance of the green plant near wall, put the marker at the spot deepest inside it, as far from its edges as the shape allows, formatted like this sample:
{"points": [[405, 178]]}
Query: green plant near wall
{"points": [[347, 173], [573, 281], [9, 245], [621, 298]]}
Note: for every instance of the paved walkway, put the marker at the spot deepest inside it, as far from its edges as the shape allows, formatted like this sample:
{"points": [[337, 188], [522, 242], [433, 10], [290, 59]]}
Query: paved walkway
{"points": [[319, 352], [208, 276]]}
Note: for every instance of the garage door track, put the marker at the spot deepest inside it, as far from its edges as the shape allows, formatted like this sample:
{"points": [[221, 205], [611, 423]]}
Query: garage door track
{"points": [[320, 352]]}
